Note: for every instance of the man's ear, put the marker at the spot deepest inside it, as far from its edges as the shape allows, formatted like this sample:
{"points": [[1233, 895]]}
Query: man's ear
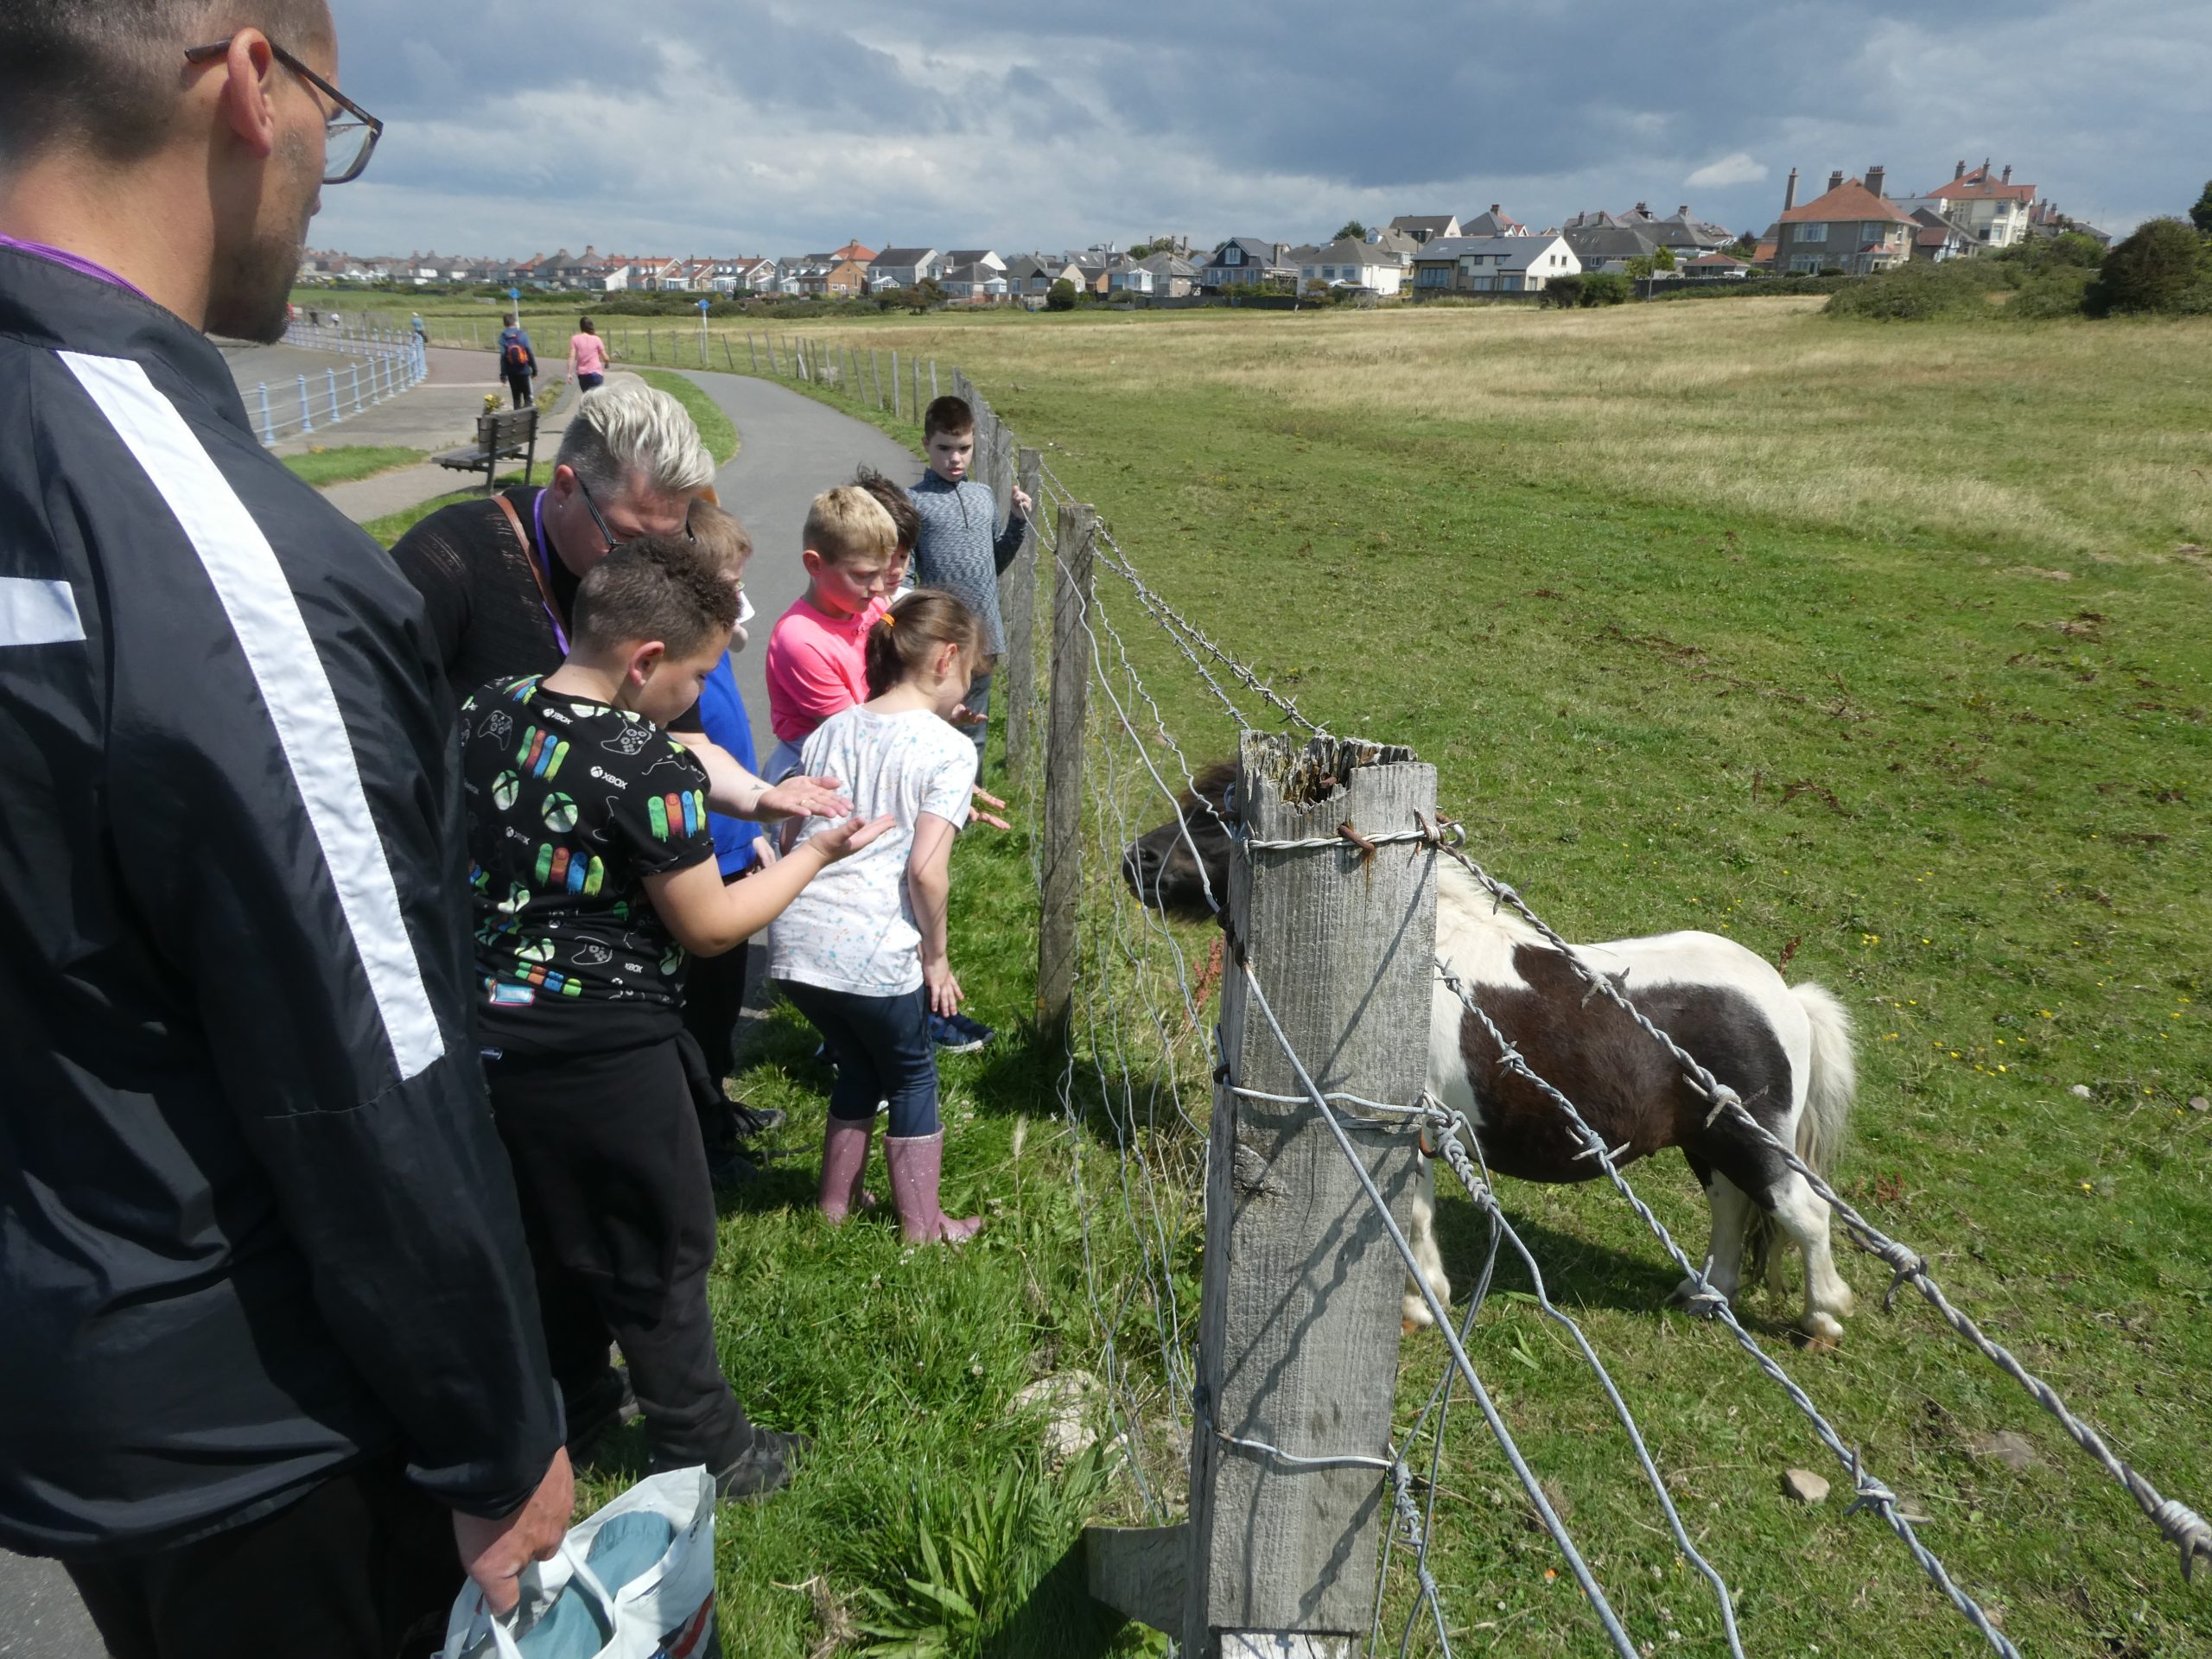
{"points": [[645, 662], [565, 481], [249, 91]]}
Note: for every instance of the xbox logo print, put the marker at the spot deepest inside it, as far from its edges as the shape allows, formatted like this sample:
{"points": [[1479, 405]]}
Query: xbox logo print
{"points": [[560, 813], [505, 788]]}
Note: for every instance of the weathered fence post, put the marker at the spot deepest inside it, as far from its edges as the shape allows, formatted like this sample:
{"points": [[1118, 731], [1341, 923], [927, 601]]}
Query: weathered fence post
{"points": [[752, 351], [727, 357], [876, 374], [896, 412], [1018, 614], [1062, 854], [1299, 1309], [933, 379]]}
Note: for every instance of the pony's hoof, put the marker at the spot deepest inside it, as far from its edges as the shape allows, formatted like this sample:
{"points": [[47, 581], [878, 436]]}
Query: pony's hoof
{"points": [[1823, 1334], [1415, 1317]]}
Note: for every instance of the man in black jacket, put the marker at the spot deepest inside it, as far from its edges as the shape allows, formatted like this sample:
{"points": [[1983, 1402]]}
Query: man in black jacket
{"points": [[268, 1345]]}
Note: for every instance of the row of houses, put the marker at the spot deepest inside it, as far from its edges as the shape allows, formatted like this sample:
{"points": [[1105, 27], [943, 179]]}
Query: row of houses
{"points": [[1854, 226]]}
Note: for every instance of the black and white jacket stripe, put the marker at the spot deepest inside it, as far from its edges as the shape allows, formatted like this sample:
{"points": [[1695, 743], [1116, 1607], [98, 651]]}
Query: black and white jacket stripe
{"points": [[255, 1222]]}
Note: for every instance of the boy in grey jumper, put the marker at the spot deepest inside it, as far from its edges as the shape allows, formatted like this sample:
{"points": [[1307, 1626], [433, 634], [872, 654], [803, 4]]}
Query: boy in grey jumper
{"points": [[961, 549]]}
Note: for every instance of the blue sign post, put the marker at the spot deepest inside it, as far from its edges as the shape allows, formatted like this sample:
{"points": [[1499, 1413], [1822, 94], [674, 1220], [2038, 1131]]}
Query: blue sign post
{"points": [[702, 334]]}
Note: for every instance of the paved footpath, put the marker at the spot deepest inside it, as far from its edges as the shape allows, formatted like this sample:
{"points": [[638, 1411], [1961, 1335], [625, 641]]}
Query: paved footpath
{"points": [[790, 449]]}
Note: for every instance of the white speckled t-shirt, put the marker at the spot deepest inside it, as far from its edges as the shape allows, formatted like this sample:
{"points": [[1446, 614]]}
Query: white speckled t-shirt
{"points": [[853, 929]]}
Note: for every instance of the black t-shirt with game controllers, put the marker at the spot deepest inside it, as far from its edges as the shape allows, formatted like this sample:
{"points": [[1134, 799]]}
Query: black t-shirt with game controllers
{"points": [[571, 803]]}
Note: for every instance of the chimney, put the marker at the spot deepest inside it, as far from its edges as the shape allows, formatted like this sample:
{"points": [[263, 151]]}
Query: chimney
{"points": [[1495, 208], [1682, 211], [2008, 172], [1835, 179], [1874, 180], [1789, 192], [1959, 172]]}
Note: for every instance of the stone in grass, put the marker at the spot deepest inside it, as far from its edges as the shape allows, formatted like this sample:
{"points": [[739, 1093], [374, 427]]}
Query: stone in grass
{"points": [[2198, 1104], [1063, 1401], [2080, 1091], [2008, 1447], [1804, 1486]]}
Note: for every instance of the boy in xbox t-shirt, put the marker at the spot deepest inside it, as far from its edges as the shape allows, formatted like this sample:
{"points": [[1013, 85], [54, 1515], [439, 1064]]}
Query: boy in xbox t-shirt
{"points": [[592, 873]]}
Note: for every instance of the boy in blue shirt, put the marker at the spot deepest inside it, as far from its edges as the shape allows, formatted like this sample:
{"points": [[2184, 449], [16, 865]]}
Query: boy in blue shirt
{"points": [[715, 995]]}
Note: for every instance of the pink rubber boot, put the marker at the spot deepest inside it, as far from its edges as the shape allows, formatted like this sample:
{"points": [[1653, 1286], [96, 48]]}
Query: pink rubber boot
{"points": [[917, 1162], [844, 1159]]}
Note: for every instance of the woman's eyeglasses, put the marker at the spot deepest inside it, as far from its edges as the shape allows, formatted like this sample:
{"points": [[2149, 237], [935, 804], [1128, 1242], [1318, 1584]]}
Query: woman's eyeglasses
{"points": [[349, 132]]}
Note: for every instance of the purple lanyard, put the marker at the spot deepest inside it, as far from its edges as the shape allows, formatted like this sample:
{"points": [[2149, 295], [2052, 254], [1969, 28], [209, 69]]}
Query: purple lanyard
{"points": [[545, 581]]}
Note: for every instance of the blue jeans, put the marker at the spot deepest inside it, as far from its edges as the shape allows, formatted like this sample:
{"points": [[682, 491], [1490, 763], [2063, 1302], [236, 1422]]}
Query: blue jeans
{"points": [[979, 699], [882, 1048]]}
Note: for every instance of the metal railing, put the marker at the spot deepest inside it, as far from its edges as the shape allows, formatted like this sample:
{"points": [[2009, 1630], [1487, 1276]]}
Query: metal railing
{"points": [[381, 363]]}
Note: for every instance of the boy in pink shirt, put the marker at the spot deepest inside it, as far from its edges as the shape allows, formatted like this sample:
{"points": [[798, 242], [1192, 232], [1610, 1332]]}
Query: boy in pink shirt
{"points": [[816, 653]]}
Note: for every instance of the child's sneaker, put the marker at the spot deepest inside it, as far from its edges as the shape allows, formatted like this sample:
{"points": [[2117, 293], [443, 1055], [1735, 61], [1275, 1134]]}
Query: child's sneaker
{"points": [[955, 1033]]}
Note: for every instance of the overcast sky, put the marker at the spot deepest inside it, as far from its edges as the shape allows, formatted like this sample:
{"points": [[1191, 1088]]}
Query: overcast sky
{"points": [[749, 126]]}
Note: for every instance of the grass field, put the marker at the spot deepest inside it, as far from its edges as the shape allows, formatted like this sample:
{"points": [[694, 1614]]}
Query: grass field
{"points": [[1883, 648], [325, 466]]}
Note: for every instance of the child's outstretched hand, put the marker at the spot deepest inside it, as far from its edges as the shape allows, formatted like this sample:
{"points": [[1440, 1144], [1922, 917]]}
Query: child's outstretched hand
{"points": [[944, 993], [840, 840], [976, 815], [1021, 501]]}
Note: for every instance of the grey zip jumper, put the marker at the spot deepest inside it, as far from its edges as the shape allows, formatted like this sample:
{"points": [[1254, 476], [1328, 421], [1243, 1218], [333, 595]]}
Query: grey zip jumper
{"points": [[962, 550]]}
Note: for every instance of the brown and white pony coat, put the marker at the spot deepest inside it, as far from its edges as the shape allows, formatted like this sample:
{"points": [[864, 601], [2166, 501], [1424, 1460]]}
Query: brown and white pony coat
{"points": [[1785, 1049]]}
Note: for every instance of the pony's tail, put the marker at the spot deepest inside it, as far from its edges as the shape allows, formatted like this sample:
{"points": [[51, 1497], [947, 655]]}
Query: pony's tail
{"points": [[1830, 1088], [1834, 1081]]}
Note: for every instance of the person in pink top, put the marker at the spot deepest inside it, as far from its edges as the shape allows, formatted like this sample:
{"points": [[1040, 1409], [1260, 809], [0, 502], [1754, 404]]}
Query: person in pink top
{"points": [[816, 661], [587, 356]]}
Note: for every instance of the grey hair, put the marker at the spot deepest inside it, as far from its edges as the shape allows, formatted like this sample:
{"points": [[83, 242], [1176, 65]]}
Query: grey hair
{"points": [[628, 427]]}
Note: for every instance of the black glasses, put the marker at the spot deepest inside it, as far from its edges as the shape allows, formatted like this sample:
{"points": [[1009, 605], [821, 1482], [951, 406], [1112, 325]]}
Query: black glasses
{"points": [[608, 536], [349, 132], [592, 507]]}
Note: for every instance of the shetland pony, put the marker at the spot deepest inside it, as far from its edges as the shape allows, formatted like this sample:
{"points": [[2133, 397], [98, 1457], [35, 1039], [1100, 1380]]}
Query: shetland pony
{"points": [[1785, 1049]]}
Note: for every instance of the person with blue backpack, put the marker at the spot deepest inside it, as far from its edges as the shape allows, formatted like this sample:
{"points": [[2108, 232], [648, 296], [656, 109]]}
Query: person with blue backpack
{"points": [[517, 363]]}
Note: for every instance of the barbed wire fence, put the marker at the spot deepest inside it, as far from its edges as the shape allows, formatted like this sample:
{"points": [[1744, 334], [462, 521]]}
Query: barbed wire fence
{"points": [[1138, 1087]]}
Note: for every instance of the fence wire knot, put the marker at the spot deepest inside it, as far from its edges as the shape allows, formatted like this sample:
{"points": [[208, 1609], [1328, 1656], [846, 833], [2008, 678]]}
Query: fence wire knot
{"points": [[2187, 1530], [1906, 1264], [1873, 1493]]}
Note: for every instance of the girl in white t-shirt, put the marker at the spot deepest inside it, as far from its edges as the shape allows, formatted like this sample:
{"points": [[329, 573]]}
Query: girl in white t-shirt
{"points": [[861, 952]]}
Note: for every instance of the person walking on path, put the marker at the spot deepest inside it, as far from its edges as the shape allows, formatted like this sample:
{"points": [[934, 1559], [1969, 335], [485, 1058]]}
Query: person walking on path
{"points": [[273, 1373], [587, 356], [517, 363]]}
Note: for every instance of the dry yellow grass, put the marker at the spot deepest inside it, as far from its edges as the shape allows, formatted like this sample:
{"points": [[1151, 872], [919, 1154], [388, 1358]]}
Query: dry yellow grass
{"points": [[2069, 437]]}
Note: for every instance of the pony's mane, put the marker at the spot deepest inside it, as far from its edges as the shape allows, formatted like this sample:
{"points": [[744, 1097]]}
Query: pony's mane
{"points": [[1212, 785]]}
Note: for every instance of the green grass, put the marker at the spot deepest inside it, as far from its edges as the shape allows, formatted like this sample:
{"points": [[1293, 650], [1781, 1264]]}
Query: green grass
{"points": [[716, 430], [323, 467], [1882, 650], [1951, 764]]}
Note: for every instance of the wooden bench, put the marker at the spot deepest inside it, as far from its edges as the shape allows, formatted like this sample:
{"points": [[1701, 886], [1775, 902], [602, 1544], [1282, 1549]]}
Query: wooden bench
{"points": [[501, 434]]}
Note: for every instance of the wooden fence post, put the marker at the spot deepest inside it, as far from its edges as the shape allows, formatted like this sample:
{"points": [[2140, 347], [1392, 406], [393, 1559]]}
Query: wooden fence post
{"points": [[1300, 1291], [933, 379], [919, 410], [752, 351], [876, 374], [1018, 614], [1062, 854], [896, 413]]}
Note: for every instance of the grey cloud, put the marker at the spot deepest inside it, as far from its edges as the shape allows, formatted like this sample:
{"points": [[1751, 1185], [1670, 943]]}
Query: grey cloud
{"points": [[772, 126]]}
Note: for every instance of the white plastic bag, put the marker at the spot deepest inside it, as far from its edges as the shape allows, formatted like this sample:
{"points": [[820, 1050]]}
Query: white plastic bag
{"points": [[634, 1580]]}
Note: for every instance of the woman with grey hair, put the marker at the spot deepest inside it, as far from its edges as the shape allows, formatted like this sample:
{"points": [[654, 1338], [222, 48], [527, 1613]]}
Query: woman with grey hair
{"points": [[498, 576]]}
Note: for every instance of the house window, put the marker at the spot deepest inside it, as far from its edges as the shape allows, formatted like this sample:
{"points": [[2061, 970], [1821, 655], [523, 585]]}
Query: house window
{"points": [[1811, 234], [1232, 257]]}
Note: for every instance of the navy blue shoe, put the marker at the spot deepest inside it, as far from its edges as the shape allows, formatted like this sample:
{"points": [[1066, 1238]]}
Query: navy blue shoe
{"points": [[955, 1033]]}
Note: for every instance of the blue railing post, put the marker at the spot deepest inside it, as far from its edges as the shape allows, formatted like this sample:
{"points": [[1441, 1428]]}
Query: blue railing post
{"points": [[306, 421], [334, 416], [357, 385], [268, 429]]}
